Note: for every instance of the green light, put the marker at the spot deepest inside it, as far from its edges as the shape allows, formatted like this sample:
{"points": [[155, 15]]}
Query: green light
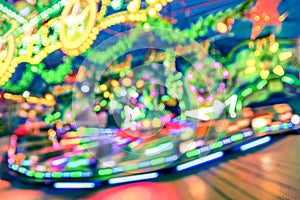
{"points": [[275, 128], [131, 167], [88, 145], [216, 145], [285, 126], [76, 174], [261, 130], [239, 106], [38, 174], [193, 153], [246, 92], [30, 173], [97, 108], [103, 103], [261, 84], [165, 98], [157, 161], [56, 175], [103, 172], [236, 137], [288, 80], [14, 167], [56, 115], [22, 170]]}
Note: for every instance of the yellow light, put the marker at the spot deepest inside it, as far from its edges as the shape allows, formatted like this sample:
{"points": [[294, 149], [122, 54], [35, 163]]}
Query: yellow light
{"points": [[140, 83], [103, 87], [127, 82], [278, 70], [251, 45], [158, 7], [250, 70], [132, 7], [150, 2], [259, 122], [152, 12], [156, 123], [250, 62], [49, 97], [256, 53], [222, 27], [274, 47], [285, 55], [106, 94], [264, 74], [146, 123], [111, 96], [114, 83]]}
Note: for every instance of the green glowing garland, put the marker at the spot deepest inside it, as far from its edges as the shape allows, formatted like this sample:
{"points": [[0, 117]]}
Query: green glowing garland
{"points": [[53, 76]]}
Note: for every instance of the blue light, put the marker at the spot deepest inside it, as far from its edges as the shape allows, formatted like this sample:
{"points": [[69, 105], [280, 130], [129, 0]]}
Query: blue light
{"points": [[133, 178], [200, 161], [74, 185], [255, 143]]}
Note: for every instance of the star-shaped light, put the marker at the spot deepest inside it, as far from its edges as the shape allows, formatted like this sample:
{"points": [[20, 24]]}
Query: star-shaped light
{"points": [[263, 13]]}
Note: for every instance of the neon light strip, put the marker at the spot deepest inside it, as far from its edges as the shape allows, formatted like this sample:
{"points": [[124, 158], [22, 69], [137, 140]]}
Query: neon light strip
{"points": [[255, 143], [73, 185], [199, 161], [133, 178]]}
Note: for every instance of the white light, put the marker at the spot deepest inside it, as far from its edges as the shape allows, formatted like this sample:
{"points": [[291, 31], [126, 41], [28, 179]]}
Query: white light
{"points": [[295, 119], [26, 94], [255, 143], [59, 161], [200, 114], [199, 161], [133, 178], [74, 185], [85, 88]]}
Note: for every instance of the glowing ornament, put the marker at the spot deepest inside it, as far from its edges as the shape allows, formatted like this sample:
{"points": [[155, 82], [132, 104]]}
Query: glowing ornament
{"points": [[263, 13]]}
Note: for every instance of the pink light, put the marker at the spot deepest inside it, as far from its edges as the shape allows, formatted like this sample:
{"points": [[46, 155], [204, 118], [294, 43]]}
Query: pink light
{"points": [[154, 81], [210, 98], [199, 66], [222, 85], [190, 76], [152, 93], [200, 98], [133, 100], [200, 143], [146, 76], [68, 116], [193, 88], [140, 106], [217, 65], [225, 74]]}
